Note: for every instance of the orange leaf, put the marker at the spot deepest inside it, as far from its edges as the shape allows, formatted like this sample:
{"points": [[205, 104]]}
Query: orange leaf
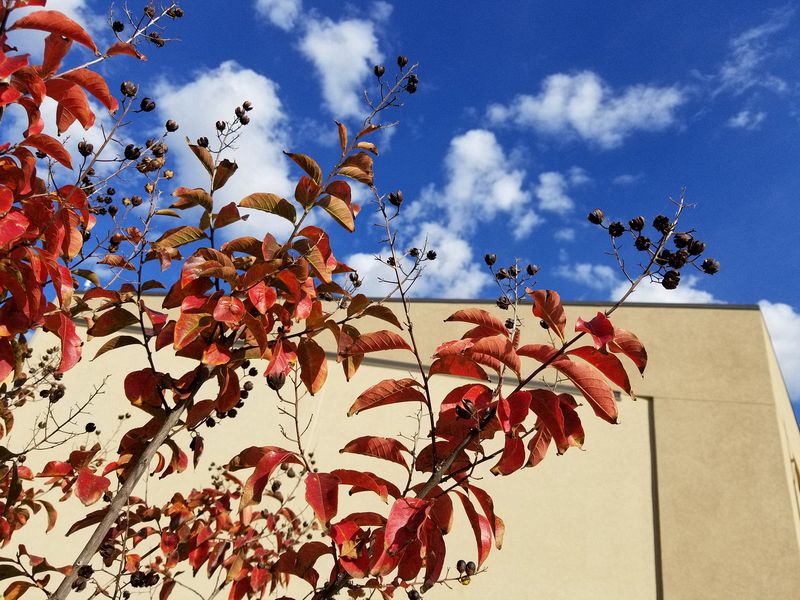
{"points": [[377, 342], [378, 447], [547, 306], [89, 487], [53, 21], [313, 365], [479, 317], [50, 146], [388, 391], [322, 495], [628, 344]]}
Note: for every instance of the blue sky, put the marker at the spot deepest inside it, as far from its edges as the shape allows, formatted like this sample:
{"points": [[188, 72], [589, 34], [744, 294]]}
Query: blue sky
{"points": [[528, 115]]}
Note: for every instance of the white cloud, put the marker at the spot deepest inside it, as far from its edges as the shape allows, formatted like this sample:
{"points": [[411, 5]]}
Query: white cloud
{"points": [[653, 292], [454, 274], [583, 105], [745, 66], [552, 193], [343, 54], [627, 179], [746, 120], [567, 234], [482, 184], [281, 13], [783, 324], [596, 277], [213, 95]]}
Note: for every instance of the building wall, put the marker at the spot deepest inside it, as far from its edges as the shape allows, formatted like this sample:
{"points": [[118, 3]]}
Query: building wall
{"points": [[691, 495]]}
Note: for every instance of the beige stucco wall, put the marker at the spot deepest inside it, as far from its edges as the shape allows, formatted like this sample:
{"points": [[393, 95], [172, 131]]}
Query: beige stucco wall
{"points": [[722, 524]]}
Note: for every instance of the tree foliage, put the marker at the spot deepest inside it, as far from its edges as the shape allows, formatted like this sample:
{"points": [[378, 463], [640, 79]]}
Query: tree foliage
{"points": [[255, 315]]}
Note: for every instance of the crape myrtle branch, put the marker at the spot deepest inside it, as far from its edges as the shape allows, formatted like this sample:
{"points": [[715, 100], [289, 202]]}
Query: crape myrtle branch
{"points": [[440, 474]]}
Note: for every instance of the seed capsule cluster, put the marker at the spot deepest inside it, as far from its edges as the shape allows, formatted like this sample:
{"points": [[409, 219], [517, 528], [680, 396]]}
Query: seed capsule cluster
{"points": [[669, 263]]}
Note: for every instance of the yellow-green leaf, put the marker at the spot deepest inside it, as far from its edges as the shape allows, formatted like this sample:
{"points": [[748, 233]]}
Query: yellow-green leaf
{"points": [[270, 203]]}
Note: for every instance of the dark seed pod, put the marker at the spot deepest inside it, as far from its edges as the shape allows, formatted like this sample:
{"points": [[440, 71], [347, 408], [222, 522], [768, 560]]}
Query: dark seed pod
{"points": [[642, 243], [244, 120], [543, 324], [86, 571], [616, 229], [487, 416], [132, 152], [513, 270], [147, 104], [678, 259], [411, 88], [150, 11], [395, 198], [276, 380], [510, 323], [90, 427], [413, 252], [462, 413], [490, 259], [532, 270], [431, 255], [247, 105], [671, 280], [663, 257], [128, 89], [681, 240], [661, 224], [402, 61], [503, 302], [171, 126], [202, 142], [636, 224], [85, 148], [117, 26], [220, 125], [379, 70], [501, 274], [596, 216], [471, 568], [461, 566], [696, 247], [710, 266]]}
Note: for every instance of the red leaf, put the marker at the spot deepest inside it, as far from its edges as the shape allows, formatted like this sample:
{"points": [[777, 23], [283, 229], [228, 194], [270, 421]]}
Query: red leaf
{"points": [[377, 341], [600, 328], [480, 528], [361, 480], [111, 321], [229, 389], [547, 306], [72, 104], [322, 495], [378, 447], [547, 407], [55, 49], [12, 227], [50, 146], [512, 411], [53, 21], [89, 487], [405, 519], [460, 366], [513, 457], [62, 325], [538, 446], [487, 505], [313, 365], [572, 422], [93, 83], [142, 388], [189, 327], [479, 317], [608, 364], [498, 348], [229, 310], [228, 214], [9, 65], [628, 344], [586, 379], [388, 391], [124, 48], [262, 296], [7, 358], [270, 458], [56, 469], [216, 354]]}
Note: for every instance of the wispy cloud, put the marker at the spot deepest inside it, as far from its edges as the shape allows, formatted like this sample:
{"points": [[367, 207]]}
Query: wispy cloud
{"points": [[746, 66], [746, 120], [582, 105], [482, 184], [627, 179], [281, 13]]}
